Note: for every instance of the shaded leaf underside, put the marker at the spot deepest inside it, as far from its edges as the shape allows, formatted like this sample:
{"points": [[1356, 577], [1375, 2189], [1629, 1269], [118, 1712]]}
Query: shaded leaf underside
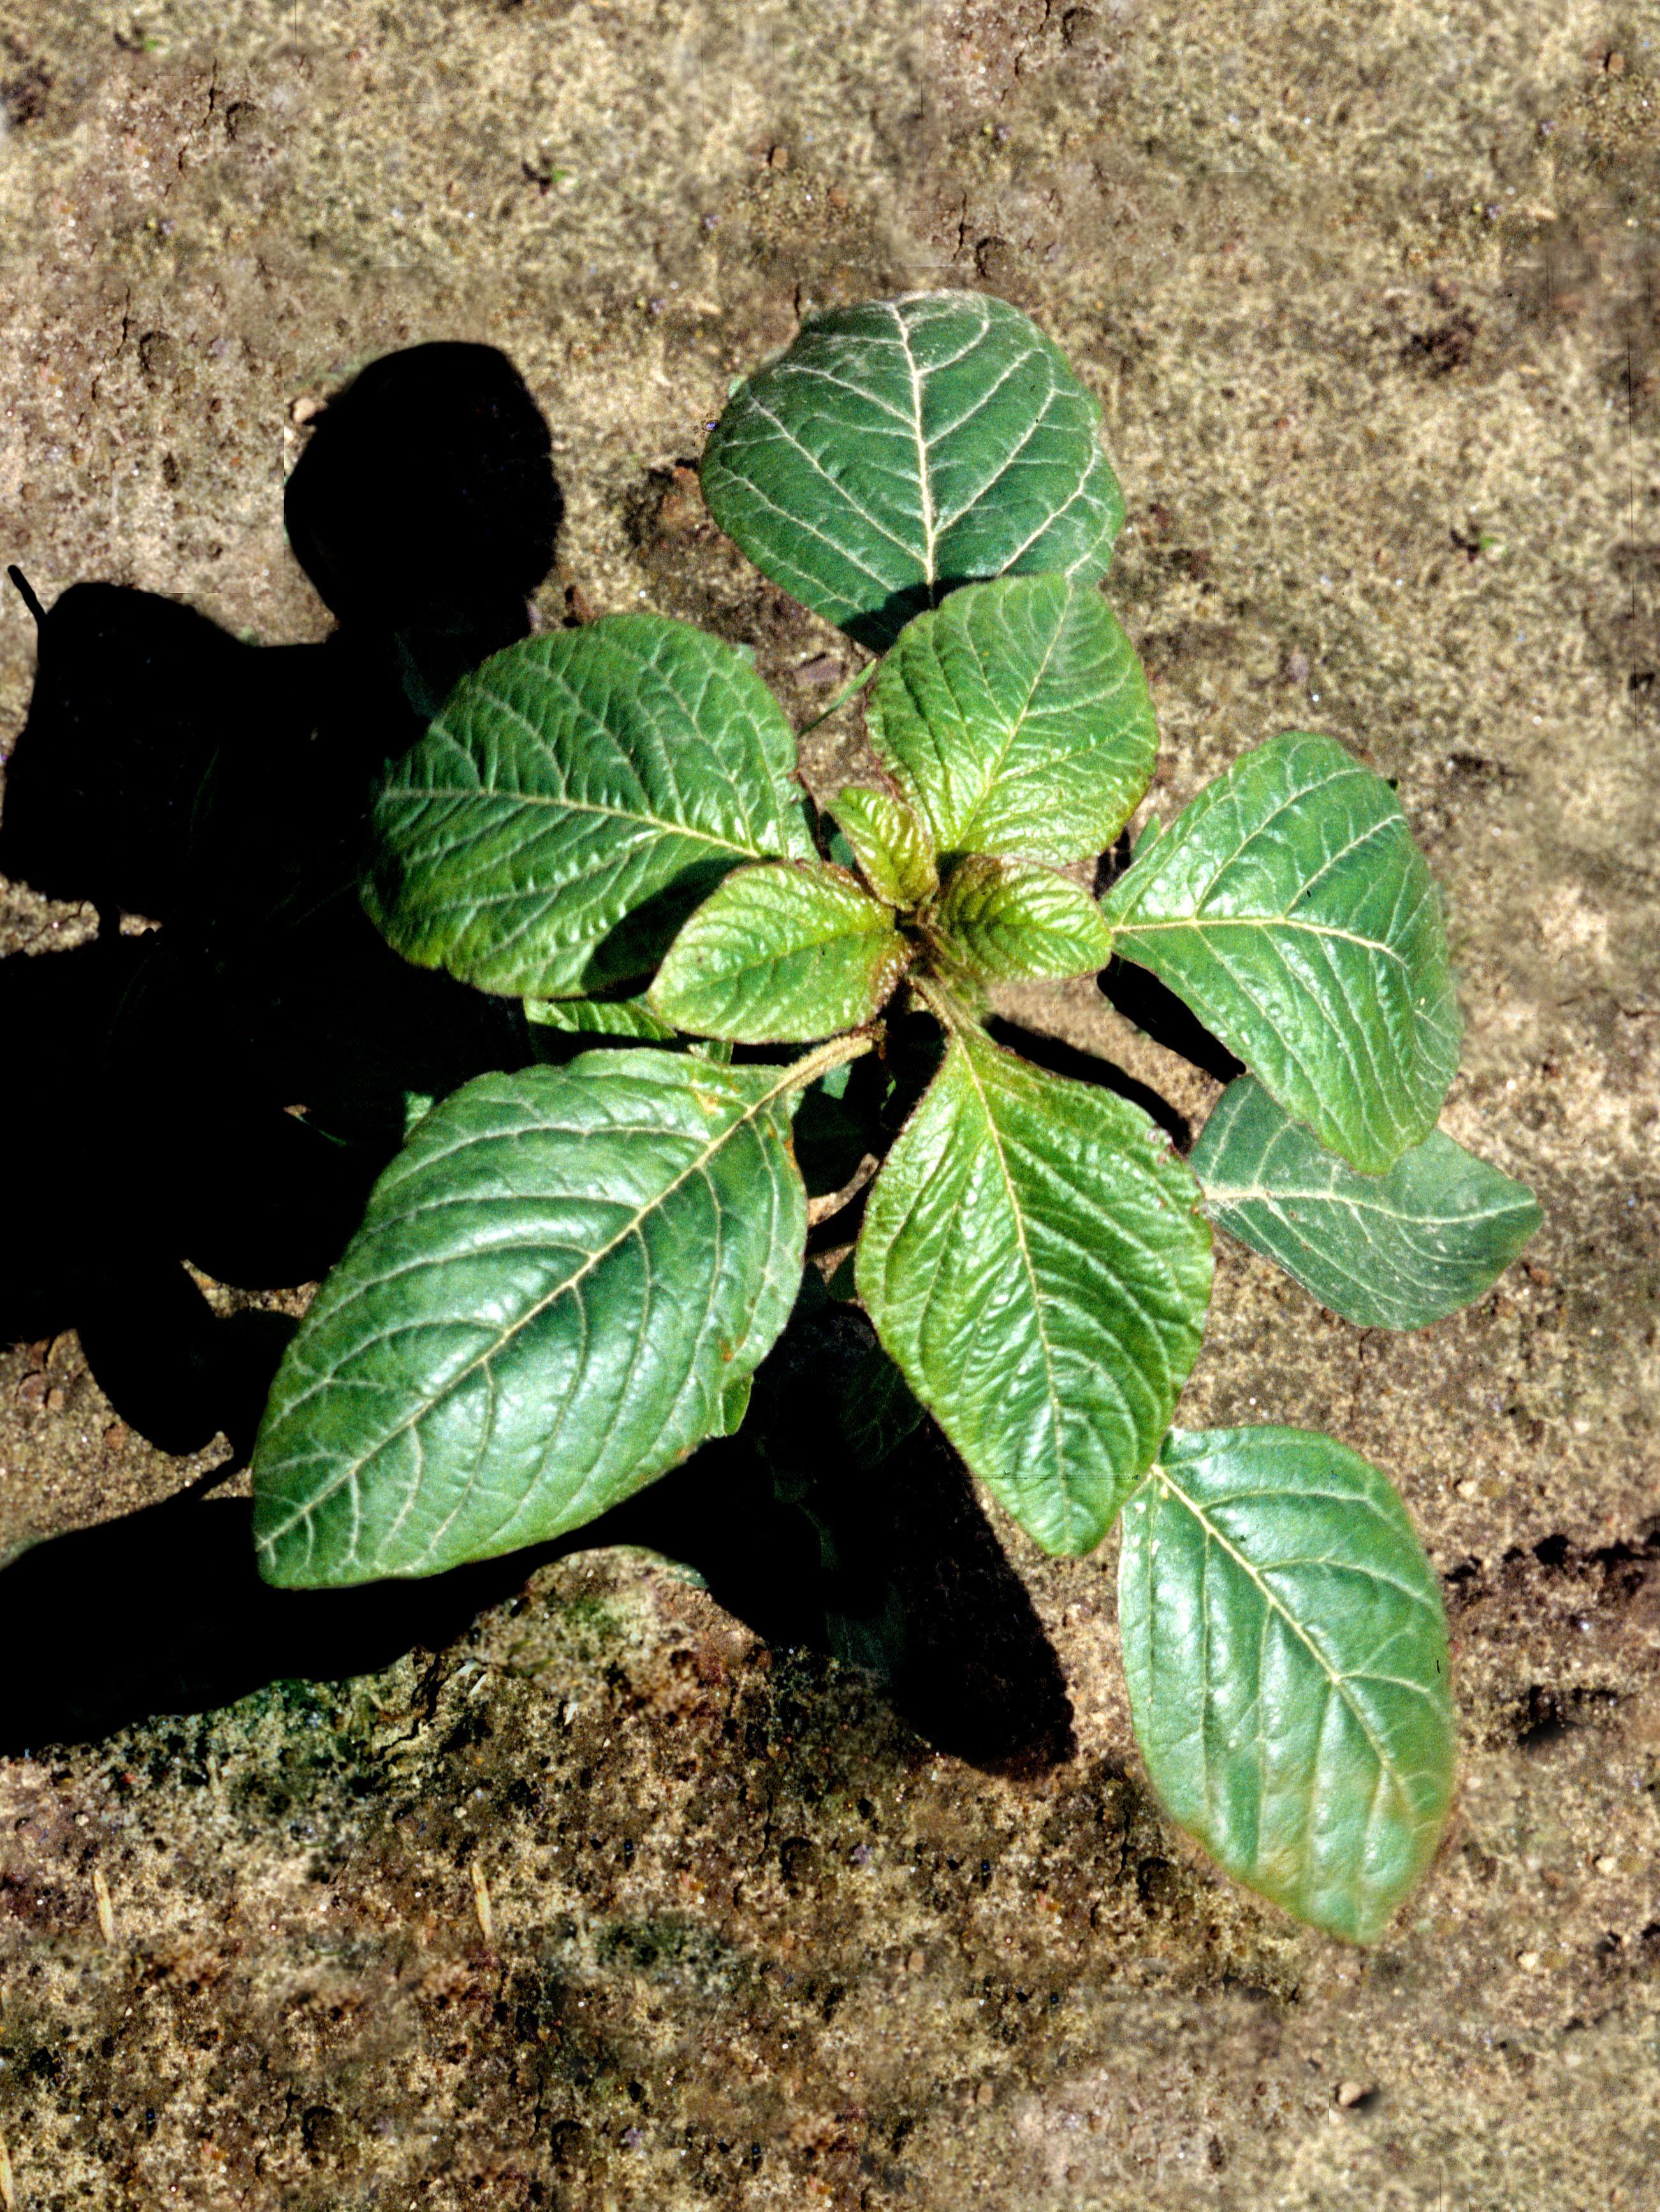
{"points": [[1393, 1251]]}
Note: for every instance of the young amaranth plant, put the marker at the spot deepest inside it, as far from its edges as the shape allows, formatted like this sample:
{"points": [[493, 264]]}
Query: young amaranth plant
{"points": [[565, 1282]]}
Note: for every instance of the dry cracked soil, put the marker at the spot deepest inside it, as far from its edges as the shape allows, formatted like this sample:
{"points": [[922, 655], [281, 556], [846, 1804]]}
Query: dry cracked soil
{"points": [[591, 1890]]}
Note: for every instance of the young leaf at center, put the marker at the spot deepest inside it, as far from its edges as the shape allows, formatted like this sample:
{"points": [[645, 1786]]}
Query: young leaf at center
{"points": [[1009, 921], [558, 1288], [780, 956], [1290, 909], [1393, 1251], [889, 844], [1016, 719], [1034, 1261], [1287, 1654]]}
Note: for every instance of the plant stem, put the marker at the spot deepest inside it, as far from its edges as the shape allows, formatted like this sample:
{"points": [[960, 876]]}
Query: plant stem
{"points": [[841, 698], [940, 1004], [837, 1053]]}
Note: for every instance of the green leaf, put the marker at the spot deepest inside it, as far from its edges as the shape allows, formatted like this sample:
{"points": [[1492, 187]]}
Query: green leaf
{"points": [[1004, 920], [1289, 906], [889, 844], [905, 447], [1287, 1656], [734, 1404], [558, 1287], [1016, 719], [576, 799], [600, 1018], [1034, 1260], [780, 956], [1393, 1251]]}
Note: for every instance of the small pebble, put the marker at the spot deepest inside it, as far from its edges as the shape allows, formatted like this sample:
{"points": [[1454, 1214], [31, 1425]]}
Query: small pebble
{"points": [[1350, 2092], [305, 410], [915, 1963], [779, 158], [32, 1391], [984, 2094]]}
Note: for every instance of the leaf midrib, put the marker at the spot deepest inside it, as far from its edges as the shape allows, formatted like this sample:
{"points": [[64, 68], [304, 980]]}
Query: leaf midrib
{"points": [[925, 481], [1011, 735], [1141, 928], [512, 801], [1227, 1194], [349, 1474], [963, 1046]]}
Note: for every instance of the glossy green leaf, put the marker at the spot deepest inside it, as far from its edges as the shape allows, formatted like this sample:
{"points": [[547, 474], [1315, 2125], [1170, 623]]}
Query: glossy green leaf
{"points": [[905, 447], [1016, 719], [1006, 921], [600, 1017], [576, 799], [558, 1288], [1393, 1251], [1286, 1655], [889, 844], [1290, 909], [781, 955], [1034, 1260]]}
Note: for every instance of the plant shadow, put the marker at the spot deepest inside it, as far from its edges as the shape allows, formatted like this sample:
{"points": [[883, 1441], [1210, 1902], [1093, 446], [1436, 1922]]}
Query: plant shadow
{"points": [[210, 1087], [162, 1610], [221, 1087]]}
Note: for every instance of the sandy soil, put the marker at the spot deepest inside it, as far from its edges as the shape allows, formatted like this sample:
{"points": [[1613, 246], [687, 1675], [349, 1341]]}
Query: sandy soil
{"points": [[598, 1901]]}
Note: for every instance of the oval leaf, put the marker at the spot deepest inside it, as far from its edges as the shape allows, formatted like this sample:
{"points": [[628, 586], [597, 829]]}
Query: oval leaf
{"points": [[1006, 921], [1016, 719], [576, 799], [1393, 1251], [780, 956], [889, 844], [1286, 1655], [1289, 906], [557, 1290], [903, 447], [1034, 1261]]}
